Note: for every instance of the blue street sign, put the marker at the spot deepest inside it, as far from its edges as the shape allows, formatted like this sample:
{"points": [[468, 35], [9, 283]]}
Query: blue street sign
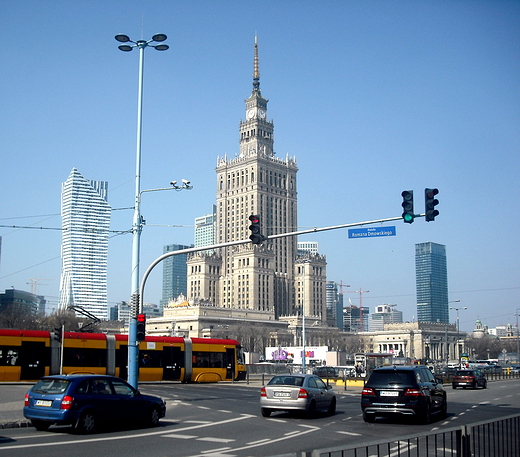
{"points": [[371, 232]]}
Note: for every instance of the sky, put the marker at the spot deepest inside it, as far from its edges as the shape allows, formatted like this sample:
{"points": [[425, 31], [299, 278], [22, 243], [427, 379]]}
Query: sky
{"points": [[372, 98]]}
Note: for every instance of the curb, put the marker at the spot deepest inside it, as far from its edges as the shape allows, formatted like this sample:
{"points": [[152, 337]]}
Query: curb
{"points": [[16, 424]]}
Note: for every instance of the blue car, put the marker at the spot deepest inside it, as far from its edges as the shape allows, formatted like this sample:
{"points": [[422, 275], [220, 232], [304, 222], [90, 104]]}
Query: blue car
{"points": [[85, 401]]}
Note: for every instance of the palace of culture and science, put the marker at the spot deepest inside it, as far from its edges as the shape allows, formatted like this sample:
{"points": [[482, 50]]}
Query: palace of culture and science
{"points": [[268, 283], [272, 294]]}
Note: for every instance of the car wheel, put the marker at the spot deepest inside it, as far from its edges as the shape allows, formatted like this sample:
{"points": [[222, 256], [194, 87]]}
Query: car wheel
{"points": [[154, 415], [484, 385], [475, 385], [265, 412], [453, 386], [86, 423], [369, 417], [311, 410], [41, 426], [332, 408]]}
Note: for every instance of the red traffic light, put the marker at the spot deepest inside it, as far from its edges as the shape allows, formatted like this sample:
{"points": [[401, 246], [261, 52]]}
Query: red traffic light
{"points": [[141, 318], [254, 219]]}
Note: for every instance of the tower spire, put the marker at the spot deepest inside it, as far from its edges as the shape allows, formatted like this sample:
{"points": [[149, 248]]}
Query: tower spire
{"points": [[256, 69]]}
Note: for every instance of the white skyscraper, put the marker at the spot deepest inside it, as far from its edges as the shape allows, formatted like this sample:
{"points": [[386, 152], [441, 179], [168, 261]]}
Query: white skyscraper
{"points": [[85, 216]]}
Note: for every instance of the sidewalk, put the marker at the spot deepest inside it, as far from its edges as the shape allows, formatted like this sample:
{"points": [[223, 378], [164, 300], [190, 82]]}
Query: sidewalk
{"points": [[11, 405]]}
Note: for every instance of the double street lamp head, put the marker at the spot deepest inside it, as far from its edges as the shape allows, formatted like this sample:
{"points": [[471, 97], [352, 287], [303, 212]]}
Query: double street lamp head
{"points": [[157, 38]]}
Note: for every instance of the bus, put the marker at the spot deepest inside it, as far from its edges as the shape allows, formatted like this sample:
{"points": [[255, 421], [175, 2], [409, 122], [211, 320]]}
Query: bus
{"points": [[27, 355], [366, 362]]}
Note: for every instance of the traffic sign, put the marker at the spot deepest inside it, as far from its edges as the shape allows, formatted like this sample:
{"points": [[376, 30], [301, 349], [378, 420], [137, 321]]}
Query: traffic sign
{"points": [[371, 232]]}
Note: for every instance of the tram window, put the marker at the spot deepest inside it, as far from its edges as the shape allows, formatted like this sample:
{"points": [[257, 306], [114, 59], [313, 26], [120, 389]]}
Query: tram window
{"points": [[84, 357], [9, 356], [208, 359], [151, 359]]}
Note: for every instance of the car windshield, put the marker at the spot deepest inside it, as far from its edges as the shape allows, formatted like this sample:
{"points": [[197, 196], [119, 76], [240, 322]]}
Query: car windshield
{"points": [[54, 386], [287, 381], [464, 373], [386, 378]]}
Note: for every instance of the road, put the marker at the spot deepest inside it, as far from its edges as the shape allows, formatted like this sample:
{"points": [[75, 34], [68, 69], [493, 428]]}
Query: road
{"points": [[224, 420]]}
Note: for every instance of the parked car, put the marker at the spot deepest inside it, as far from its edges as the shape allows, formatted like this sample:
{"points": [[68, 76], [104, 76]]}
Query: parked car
{"points": [[403, 391], [300, 392], [84, 401], [469, 378], [326, 372]]}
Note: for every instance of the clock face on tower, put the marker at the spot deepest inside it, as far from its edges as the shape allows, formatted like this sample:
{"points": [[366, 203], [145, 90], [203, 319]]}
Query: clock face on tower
{"points": [[251, 113], [261, 113]]}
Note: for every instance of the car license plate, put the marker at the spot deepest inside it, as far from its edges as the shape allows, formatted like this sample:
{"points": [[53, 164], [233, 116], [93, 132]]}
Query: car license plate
{"points": [[389, 393], [46, 403], [282, 394]]}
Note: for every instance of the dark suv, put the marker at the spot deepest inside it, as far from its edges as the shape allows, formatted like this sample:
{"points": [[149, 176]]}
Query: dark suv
{"points": [[85, 400], [403, 390]]}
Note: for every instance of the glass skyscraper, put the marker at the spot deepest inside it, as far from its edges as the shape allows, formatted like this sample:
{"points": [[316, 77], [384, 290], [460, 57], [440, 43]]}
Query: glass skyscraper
{"points": [[85, 220], [175, 275], [431, 282]]}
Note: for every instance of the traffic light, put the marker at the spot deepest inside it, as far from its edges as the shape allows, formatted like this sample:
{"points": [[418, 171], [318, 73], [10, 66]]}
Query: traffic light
{"points": [[429, 204], [58, 334], [141, 327], [407, 205], [256, 237]]}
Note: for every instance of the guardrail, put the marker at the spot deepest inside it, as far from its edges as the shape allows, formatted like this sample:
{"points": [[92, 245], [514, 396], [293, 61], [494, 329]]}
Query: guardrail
{"points": [[492, 438]]}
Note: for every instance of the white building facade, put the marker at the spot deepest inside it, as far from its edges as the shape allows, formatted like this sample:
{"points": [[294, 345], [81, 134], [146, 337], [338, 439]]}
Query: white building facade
{"points": [[85, 216]]}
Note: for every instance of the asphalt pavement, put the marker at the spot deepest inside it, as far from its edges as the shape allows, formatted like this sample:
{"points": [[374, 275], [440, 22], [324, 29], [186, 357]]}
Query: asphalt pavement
{"points": [[12, 397]]}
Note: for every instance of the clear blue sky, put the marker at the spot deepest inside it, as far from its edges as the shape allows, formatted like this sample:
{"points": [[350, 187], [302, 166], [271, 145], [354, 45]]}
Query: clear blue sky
{"points": [[372, 97]]}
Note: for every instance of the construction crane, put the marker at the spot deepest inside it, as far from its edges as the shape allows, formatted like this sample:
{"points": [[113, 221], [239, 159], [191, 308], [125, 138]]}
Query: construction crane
{"points": [[360, 292], [34, 284]]}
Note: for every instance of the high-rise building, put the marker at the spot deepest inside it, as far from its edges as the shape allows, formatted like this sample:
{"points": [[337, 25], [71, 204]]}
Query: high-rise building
{"points": [[205, 229], [256, 182], [308, 246], [384, 314], [334, 305], [431, 282], [85, 219], [174, 274]]}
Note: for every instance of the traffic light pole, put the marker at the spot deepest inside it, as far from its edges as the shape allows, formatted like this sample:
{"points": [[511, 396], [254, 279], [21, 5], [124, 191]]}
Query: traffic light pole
{"points": [[236, 243]]}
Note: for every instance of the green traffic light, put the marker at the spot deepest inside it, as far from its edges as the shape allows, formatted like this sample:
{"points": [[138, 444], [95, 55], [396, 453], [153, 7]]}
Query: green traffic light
{"points": [[408, 217]]}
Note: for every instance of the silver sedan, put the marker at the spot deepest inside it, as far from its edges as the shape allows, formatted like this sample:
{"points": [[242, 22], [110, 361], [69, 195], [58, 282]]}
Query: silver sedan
{"points": [[307, 393]]}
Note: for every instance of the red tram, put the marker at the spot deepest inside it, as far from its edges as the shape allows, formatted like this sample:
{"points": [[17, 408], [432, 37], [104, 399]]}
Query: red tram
{"points": [[27, 355]]}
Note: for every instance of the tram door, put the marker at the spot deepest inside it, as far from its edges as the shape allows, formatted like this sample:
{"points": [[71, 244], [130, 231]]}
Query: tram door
{"points": [[230, 363], [33, 358], [172, 362]]}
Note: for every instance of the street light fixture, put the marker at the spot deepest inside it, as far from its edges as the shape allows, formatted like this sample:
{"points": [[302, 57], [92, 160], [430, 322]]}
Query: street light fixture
{"points": [[458, 324], [133, 344]]}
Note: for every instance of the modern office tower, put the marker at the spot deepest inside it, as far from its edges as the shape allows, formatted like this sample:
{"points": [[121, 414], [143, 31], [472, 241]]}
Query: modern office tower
{"points": [[174, 274], [255, 182], [205, 229], [85, 219], [355, 319], [384, 314], [334, 305], [308, 246], [431, 282]]}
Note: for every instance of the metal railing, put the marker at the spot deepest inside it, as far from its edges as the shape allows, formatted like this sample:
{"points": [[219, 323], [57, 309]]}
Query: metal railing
{"points": [[492, 438]]}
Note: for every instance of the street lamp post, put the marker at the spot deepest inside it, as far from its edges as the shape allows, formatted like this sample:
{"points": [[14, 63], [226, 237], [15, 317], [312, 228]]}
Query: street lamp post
{"points": [[133, 345], [458, 326], [517, 339]]}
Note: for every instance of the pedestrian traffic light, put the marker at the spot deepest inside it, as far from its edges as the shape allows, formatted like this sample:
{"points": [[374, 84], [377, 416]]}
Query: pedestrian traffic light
{"points": [[429, 204], [407, 205], [58, 334], [256, 237], [141, 327]]}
